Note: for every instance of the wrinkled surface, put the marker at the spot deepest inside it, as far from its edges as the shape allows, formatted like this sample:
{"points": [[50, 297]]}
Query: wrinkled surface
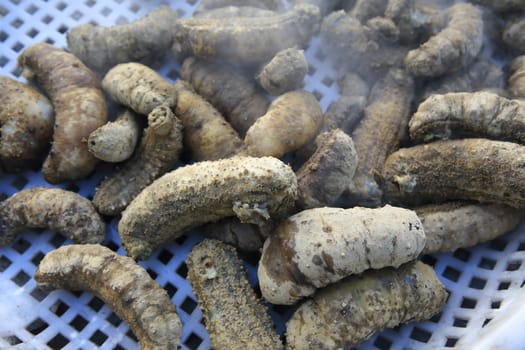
{"points": [[328, 172], [143, 40], [79, 107], [379, 133], [285, 72], [234, 317], [249, 40], [253, 189], [207, 135], [124, 286], [232, 92], [347, 313], [65, 212], [454, 225], [157, 153], [26, 124], [477, 114], [317, 247], [454, 47], [482, 170], [115, 141], [290, 122], [138, 87], [517, 77]]}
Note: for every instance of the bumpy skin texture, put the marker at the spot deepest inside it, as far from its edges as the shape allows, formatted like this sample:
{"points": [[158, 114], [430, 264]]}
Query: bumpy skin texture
{"points": [[325, 6], [502, 5], [79, 107], [482, 170], [517, 77], [234, 317], [454, 225], [348, 110], [233, 93], [115, 141], [123, 285], [246, 40], [59, 210], [364, 10], [480, 75], [243, 236], [285, 72], [143, 40], [207, 135], [233, 11], [317, 247], [374, 46], [274, 5], [453, 48], [513, 34], [359, 306], [328, 172], [138, 87], [26, 124], [253, 189], [290, 122], [158, 152], [379, 133], [478, 114]]}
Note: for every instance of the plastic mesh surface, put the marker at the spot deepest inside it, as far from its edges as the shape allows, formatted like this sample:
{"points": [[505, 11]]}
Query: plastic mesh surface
{"points": [[482, 281]]}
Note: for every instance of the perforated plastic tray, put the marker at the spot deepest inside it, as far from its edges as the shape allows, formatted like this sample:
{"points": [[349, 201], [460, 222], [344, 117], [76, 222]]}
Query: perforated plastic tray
{"points": [[484, 310]]}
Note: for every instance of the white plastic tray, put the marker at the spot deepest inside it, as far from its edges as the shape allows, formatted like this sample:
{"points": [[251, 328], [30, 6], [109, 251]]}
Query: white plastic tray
{"points": [[485, 303]]}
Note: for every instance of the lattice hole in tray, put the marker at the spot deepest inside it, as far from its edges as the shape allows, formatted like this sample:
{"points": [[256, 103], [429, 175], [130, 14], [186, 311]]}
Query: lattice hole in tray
{"points": [[98, 338], [451, 273], [486, 322], [47, 19], [504, 285], [19, 182], [13, 340], [513, 265], [21, 245], [15, 2], [451, 342], [382, 343], [77, 15], [182, 270], [32, 33], [21, 278], [477, 283], [152, 273], [31, 9], [468, 303], [188, 305], [170, 289], [3, 61], [164, 256], [38, 294], [106, 11], [59, 308], [134, 8], [58, 341], [16, 23], [193, 341], [17, 47], [96, 304], [462, 255], [420, 334], [3, 11], [78, 323], [37, 326], [61, 6], [487, 263], [498, 245], [4, 263], [460, 322], [114, 319], [57, 240], [3, 36]]}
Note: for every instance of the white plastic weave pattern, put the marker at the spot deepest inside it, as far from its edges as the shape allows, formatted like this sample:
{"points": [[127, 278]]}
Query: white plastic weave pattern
{"points": [[484, 282]]}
